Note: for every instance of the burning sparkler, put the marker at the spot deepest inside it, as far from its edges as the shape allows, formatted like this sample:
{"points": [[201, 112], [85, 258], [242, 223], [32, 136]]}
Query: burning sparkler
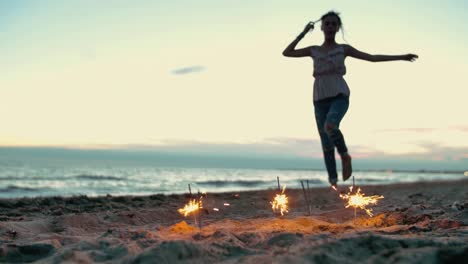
{"points": [[280, 202], [359, 200], [192, 207]]}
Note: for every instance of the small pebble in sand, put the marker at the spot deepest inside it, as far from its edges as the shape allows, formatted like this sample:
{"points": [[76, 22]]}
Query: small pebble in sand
{"points": [[457, 206], [12, 233]]}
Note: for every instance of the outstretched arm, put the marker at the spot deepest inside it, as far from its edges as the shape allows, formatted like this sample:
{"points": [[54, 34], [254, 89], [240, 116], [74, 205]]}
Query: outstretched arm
{"points": [[291, 50], [352, 52]]}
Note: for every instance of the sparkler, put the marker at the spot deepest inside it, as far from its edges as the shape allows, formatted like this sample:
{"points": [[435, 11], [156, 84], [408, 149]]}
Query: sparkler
{"points": [[193, 206], [360, 200], [280, 202]]}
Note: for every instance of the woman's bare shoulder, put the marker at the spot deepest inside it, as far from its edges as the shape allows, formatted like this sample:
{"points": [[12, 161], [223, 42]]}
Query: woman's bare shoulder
{"points": [[315, 47], [346, 47]]}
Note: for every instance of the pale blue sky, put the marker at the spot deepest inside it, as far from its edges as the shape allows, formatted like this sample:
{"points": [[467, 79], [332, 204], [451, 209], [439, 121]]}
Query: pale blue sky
{"points": [[196, 73]]}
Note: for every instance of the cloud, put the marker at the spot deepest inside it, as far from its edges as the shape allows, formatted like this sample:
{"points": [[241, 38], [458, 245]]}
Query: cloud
{"points": [[188, 70], [434, 151], [463, 129], [286, 148], [408, 129], [271, 147], [300, 148]]}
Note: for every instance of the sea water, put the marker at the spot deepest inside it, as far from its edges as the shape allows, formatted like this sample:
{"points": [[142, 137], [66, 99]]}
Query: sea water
{"points": [[26, 174]]}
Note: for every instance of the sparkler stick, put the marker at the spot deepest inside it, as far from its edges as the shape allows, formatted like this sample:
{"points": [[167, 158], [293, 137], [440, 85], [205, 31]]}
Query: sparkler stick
{"points": [[305, 196], [190, 191], [194, 216], [308, 197], [198, 211], [354, 221], [279, 188]]}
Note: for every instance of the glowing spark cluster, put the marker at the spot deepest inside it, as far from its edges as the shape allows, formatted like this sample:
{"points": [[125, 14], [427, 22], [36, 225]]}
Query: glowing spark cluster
{"points": [[359, 200], [280, 202], [191, 207]]}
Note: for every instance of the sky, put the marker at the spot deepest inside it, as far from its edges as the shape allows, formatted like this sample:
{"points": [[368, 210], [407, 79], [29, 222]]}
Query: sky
{"points": [[208, 75]]}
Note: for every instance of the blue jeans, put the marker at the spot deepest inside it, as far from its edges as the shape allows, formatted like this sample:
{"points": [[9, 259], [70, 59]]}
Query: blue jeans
{"points": [[328, 115]]}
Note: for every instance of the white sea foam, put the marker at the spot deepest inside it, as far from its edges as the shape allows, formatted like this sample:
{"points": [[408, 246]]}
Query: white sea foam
{"points": [[75, 179]]}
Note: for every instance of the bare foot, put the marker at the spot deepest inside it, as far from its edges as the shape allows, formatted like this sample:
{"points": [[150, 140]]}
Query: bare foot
{"points": [[334, 187], [346, 166]]}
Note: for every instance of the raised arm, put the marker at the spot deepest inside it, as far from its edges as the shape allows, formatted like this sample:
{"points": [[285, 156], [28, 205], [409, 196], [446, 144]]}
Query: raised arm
{"points": [[352, 52], [291, 50]]}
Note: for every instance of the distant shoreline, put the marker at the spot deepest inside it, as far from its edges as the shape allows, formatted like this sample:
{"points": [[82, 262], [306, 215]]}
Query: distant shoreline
{"points": [[221, 158], [382, 170]]}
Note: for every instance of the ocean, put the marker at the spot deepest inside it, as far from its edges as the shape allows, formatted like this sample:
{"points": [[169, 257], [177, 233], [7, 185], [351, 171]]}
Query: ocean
{"points": [[33, 172]]}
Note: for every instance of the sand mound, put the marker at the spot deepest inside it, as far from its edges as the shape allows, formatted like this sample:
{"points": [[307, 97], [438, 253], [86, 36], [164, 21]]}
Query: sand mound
{"points": [[25, 253], [175, 252]]}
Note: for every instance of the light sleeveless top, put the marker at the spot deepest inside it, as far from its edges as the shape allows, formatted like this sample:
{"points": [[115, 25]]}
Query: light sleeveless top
{"points": [[329, 69]]}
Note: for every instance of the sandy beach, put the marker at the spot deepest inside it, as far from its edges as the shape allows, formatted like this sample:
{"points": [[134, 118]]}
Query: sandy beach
{"points": [[423, 222]]}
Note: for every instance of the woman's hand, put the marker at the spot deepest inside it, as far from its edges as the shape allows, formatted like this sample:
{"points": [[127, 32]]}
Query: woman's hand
{"points": [[308, 27], [291, 51], [410, 57]]}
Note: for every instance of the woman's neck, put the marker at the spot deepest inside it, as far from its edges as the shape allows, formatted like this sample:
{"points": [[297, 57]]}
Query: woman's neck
{"points": [[329, 42]]}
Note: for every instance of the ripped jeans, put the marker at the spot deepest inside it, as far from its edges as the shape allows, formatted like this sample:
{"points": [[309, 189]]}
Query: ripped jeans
{"points": [[328, 115]]}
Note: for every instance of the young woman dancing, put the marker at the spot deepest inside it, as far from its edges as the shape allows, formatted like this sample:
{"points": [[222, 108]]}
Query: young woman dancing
{"points": [[331, 93]]}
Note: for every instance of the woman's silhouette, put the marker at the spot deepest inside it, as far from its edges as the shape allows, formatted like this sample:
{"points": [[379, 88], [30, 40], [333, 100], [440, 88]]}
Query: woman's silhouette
{"points": [[331, 93]]}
